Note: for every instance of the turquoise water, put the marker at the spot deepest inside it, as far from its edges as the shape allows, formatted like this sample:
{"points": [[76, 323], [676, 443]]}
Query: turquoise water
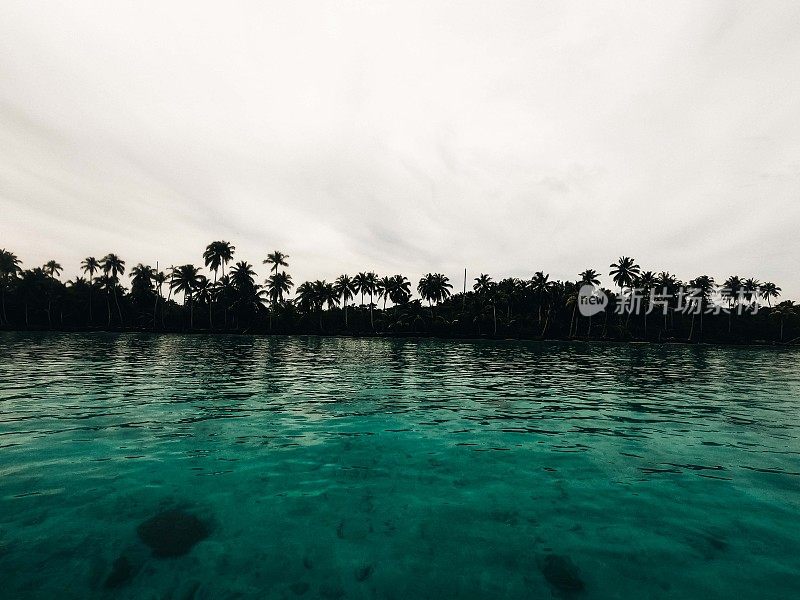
{"points": [[339, 468]]}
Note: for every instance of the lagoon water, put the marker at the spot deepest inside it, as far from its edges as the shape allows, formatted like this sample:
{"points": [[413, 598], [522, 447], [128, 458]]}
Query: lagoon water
{"points": [[375, 468]]}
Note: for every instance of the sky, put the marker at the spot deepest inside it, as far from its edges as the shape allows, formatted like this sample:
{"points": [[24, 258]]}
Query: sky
{"points": [[405, 137]]}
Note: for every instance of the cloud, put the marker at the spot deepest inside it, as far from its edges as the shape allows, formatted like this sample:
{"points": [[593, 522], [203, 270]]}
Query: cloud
{"points": [[505, 137]]}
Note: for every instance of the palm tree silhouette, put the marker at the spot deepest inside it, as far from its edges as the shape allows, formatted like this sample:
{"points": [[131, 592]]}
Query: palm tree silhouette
{"points": [[278, 284], [217, 254], [705, 287], [434, 287], [768, 291], [623, 273], [731, 291], [399, 290], [113, 266], [485, 288], [9, 267], [187, 279], [346, 289], [52, 269], [783, 311], [383, 287], [587, 277], [90, 265], [540, 285], [159, 277], [371, 285], [276, 259], [360, 284], [204, 292]]}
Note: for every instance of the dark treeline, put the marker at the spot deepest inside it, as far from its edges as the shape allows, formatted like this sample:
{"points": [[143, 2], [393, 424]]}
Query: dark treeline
{"points": [[230, 298]]}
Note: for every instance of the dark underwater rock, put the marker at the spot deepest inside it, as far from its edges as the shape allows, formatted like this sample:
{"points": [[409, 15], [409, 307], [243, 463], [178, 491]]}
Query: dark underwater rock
{"points": [[562, 574], [172, 533], [363, 573], [121, 573]]}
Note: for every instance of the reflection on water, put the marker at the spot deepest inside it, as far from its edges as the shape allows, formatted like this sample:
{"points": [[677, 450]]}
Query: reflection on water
{"points": [[339, 468]]}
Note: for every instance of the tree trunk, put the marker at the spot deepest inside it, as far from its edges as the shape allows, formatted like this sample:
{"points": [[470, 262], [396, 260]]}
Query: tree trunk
{"points": [[119, 310]]}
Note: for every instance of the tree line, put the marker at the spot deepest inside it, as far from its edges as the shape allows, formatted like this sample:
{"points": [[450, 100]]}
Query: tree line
{"points": [[228, 297]]}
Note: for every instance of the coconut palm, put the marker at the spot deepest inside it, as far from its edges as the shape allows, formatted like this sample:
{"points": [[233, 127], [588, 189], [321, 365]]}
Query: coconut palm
{"points": [[383, 287], [279, 284], [483, 283], [218, 254], [784, 310], [361, 285], [486, 290], [204, 292], [52, 268], [9, 268], [704, 286], [186, 279], [276, 259], [587, 277], [540, 284], [159, 277], [434, 287], [400, 290], [769, 291], [346, 289], [113, 266], [624, 271], [370, 285], [90, 265]]}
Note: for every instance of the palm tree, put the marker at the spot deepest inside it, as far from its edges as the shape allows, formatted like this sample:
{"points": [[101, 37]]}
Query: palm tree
{"points": [[113, 266], [9, 267], [306, 296], [52, 269], [434, 287], [485, 288], [383, 288], [540, 284], [768, 291], [646, 281], [276, 259], [361, 285], [346, 289], [216, 255], [482, 283], [90, 265], [159, 278], [587, 277], [204, 293], [623, 273], [371, 285], [731, 291], [187, 279], [704, 286], [278, 284], [783, 311], [400, 290]]}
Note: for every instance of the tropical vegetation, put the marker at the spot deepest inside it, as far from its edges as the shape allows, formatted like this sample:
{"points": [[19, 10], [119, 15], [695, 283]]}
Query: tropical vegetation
{"points": [[227, 295]]}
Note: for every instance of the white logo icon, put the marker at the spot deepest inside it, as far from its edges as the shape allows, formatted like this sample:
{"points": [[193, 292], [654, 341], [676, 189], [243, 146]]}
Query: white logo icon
{"points": [[591, 300]]}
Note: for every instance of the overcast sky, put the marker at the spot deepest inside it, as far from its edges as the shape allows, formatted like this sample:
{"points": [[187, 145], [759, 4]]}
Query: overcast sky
{"points": [[507, 137]]}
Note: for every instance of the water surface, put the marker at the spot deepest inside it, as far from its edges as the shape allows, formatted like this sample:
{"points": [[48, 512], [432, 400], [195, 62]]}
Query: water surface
{"points": [[372, 468]]}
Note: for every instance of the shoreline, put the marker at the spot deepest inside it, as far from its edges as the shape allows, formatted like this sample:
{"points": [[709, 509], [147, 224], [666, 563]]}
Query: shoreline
{"points": [[417, 336]]}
